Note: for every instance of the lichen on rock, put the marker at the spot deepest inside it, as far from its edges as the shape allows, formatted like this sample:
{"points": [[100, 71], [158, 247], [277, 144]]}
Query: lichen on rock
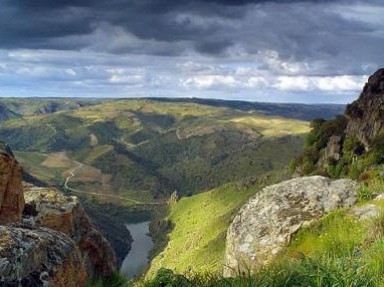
{"points": [[39, 257], [265, 225]]}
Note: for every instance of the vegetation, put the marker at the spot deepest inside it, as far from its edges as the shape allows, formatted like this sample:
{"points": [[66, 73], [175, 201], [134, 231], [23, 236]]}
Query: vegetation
{"points": [[338, 250], [145, 149], [195, 244]]}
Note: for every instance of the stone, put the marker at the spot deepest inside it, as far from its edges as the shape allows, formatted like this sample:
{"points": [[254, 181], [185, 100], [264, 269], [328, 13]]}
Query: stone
{"points": [[46, 207], [380, 196], [11, 196], [265, 225], [367, 211], [39, 257]]}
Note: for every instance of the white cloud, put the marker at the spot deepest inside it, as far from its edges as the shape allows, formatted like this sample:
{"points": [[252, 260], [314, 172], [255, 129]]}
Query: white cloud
{"points": [[328, 84], [210, 81]]}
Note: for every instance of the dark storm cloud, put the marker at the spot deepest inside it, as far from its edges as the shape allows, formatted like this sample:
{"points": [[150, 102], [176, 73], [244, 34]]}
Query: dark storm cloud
{"points": [[229, 48], [42, 23]]}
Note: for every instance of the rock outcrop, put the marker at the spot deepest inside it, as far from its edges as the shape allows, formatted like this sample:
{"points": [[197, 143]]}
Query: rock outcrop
{"points": [[55, 245], [31, 257], [11, 196], [264, 226], [332, 152], [366, 114], [46, 207]]}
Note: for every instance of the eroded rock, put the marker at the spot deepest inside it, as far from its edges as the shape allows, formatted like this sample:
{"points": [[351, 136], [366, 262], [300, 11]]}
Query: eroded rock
{"points": [[11, 196], [264, 226], [49, 208]]}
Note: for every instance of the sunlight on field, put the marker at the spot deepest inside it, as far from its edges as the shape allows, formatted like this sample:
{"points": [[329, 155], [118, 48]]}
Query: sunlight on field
{"points": [[272, 126], [57, 160]]}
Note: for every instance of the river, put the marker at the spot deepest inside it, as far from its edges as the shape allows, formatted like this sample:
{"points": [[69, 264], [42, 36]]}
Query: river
{"points": [[137, 259]]}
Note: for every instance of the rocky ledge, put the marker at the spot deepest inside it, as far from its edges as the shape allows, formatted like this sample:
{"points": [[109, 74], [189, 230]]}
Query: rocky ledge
{"points": [[264, 226], [47, 238], [46, 207]]}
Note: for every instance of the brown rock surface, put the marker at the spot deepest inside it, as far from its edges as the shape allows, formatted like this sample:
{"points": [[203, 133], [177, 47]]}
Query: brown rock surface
{"points": [[49, 208], [39, 257], [11, 196], [366, 114]]}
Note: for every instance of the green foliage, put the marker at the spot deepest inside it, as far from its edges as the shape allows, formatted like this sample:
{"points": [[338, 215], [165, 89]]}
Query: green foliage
{"points": [[317, 139], [322, 130], [117, 280]]}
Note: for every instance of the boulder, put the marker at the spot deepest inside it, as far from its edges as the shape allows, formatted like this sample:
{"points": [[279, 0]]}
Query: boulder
{"points": [[33, 257], [11, 196], [265, 225], [46, 207]]}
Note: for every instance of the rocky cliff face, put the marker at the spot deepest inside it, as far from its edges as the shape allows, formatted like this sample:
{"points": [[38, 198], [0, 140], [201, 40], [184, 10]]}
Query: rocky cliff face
{"points": [[56, 245], [265, 225], [11, 196], [366, 114], [46, 207]]}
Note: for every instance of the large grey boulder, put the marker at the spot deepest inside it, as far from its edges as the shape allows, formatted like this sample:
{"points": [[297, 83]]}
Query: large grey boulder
{"points": [[264, 226]]}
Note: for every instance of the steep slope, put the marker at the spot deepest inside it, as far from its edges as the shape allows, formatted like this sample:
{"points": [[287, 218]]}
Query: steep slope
{"points": [[197, 227], [366, 114], [352, 143]]}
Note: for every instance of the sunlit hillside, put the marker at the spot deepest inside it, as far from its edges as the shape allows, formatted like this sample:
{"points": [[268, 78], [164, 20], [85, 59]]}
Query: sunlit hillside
{"points": [[140, 151]]}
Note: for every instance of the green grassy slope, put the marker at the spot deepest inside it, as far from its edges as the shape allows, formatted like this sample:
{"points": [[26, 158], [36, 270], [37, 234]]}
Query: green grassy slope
{"points": [[199, 226]]}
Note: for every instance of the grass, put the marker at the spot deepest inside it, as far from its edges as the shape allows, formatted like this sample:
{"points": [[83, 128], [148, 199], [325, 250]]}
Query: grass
{"points": [[335, 251], [336, 233], [197, 241]]}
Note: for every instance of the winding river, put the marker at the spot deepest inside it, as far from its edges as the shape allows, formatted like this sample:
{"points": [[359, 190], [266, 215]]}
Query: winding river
{"points": [[137, 259]]}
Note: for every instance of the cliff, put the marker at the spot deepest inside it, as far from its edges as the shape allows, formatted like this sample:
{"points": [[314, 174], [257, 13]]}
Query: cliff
{"points": [[46, 207], [350, 143], [11, 195], [46, 238], [366, 114]]}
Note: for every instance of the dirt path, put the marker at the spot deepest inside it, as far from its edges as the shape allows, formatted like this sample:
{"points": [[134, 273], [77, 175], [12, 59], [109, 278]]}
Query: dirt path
{"points": [[72, 174]]}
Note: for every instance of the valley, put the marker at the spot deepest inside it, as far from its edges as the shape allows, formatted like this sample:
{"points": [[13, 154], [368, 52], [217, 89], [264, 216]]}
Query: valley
{"points": [[124, 159]]}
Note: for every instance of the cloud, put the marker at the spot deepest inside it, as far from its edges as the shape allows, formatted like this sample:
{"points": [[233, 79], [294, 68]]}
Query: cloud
{"points": [[249, 49]]}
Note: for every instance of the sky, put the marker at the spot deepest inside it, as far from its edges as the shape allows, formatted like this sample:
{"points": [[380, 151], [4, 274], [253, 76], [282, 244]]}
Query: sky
{"points": [[308, 51]]}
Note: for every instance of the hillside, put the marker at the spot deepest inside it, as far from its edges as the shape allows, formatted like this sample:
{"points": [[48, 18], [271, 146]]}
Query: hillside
{"points": [[308, 231], [196, 244], [146, 149]]}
